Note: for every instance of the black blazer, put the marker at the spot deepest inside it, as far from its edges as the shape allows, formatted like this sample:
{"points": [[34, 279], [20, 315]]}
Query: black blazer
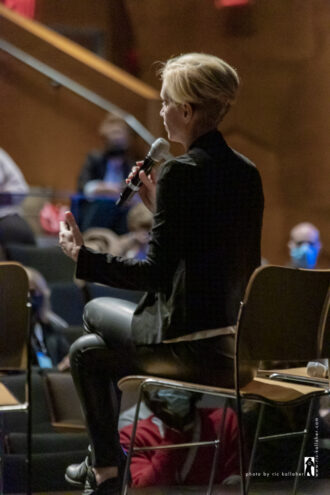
{"points": [[205, 244]]}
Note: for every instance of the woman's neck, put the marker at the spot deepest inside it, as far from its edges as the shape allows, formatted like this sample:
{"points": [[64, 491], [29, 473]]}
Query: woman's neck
{"points": [[195, 134]]}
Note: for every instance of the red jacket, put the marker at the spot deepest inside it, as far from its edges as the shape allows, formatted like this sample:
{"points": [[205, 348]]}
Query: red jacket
{"points": [[167, 467]]}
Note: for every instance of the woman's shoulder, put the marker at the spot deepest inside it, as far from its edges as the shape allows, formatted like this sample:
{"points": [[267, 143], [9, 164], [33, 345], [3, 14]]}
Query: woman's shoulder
{"points": [[178, 164]]}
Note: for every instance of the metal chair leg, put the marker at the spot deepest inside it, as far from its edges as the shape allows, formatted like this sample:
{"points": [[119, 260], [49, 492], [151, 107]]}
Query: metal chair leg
{"points": [[29, 452], [1, 453], [131, 447], [217, 448], [241, 445], [29, 411], [303, 445], [255, 443]]}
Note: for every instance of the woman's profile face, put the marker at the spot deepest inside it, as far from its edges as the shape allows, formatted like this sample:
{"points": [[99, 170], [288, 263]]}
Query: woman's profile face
{"points": [[173, 118]]}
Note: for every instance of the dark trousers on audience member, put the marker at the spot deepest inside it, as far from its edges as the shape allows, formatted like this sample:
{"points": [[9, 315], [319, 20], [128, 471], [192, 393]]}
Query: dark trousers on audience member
{"points": [[99, 360]]}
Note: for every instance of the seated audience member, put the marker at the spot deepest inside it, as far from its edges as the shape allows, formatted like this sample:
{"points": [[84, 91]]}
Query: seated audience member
{"points": [[134, 244], [103, 177], [103, 240], [304, 245], [49, 344], [139, 223], [176, 419], [13, 189], [171, 417], [104, 172]]}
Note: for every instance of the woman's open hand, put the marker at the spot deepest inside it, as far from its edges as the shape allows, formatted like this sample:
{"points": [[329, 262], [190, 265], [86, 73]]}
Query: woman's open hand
{"points": [[70, 238]]}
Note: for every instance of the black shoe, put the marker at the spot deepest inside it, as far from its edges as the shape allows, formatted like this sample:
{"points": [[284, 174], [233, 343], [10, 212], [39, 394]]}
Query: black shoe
{"points": [[76, 474], [111, 486]]}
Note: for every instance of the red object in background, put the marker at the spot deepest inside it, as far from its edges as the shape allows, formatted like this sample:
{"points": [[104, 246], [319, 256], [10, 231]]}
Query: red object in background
{"points": [[50, 217], [219, 4], [23, 7]]}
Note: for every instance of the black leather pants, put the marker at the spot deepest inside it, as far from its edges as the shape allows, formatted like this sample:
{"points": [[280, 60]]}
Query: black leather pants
{"points": [[101, 358]]}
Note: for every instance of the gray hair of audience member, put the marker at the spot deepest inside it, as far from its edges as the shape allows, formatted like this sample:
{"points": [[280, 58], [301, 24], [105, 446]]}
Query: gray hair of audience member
{"points": [[305, 232], [139, 217]]}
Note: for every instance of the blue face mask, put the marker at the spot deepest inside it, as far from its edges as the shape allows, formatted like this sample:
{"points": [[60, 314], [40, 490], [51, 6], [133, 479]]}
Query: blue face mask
{"points": [[174, 407], [36, 302], [177, 402], [305, 255]]}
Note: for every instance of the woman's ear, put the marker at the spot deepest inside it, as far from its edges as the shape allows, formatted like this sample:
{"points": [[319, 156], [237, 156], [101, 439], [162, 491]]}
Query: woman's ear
{"points": [[187, 111]]}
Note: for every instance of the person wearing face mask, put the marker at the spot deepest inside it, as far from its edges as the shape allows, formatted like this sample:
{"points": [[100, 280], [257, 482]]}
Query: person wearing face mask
{"points": [[104, 172], [304, 245], [176, 419], [49, 344], [102, 177]]}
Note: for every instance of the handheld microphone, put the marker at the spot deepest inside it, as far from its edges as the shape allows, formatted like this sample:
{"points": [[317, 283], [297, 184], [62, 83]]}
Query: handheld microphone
{"points": [[159, 150]]}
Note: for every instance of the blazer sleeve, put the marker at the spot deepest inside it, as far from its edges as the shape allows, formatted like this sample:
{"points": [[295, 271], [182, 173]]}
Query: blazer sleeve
{"points": [[155, 273]]}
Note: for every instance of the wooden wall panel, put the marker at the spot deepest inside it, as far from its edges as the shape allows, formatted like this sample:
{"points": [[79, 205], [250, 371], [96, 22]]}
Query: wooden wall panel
{"points": [[48, 129]]}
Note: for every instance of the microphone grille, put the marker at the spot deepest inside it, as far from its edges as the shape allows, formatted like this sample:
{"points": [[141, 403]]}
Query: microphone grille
{"points": [[159, 149]]}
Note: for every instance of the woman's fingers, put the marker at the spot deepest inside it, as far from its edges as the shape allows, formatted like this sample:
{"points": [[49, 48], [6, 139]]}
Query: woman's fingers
{"points": [[63, 226], [71, 222], [153, 175], [144, 179], [134, 171], [148, 191], [69, 233]]}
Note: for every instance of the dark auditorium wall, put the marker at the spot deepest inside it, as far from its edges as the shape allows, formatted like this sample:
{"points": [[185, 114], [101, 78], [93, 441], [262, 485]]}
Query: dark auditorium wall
{"points": [[281, 119]]}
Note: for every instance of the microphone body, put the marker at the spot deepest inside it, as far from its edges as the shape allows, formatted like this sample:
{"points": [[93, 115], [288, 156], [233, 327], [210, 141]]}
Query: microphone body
{"points": [[159, 150]]}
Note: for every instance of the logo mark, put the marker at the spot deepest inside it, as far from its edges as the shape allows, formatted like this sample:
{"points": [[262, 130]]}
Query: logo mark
{"points": [[309, 466]]}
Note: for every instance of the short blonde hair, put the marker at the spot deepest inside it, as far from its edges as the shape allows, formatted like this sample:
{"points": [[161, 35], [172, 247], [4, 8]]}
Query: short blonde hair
{"points": [[205, 81]]}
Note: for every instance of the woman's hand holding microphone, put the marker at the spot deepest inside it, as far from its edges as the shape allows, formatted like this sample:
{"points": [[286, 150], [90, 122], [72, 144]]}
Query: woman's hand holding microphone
{"points": [[70, 237], [147, 190]]}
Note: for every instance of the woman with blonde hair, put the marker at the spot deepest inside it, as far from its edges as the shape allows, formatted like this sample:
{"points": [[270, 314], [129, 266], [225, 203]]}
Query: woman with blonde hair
{"points": [[205, 243]]}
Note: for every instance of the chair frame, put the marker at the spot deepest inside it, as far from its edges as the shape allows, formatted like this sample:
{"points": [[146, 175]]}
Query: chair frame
{"points": [[26, 405], [298, 375], [262, 390]]}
